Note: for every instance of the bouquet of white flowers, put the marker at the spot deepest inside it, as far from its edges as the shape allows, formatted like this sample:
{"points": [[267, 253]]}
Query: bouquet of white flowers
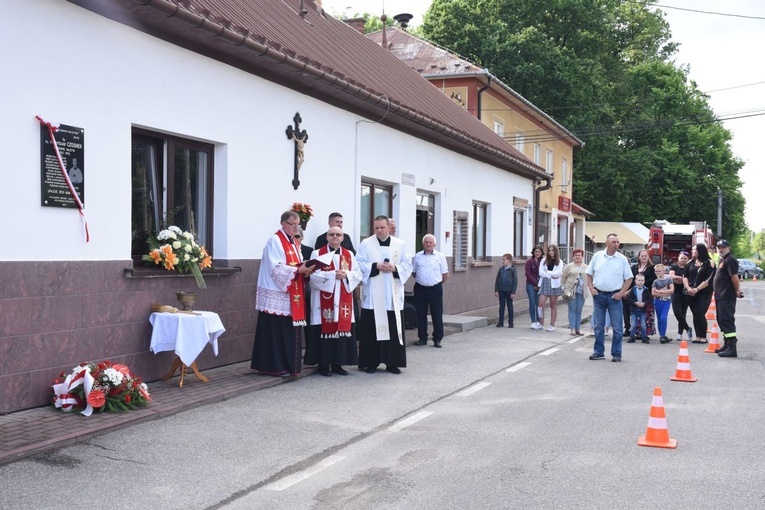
{"points": [[177, 250]]}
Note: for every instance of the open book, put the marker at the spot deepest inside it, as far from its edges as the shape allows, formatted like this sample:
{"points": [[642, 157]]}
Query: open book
{"points": [[322, 261]]}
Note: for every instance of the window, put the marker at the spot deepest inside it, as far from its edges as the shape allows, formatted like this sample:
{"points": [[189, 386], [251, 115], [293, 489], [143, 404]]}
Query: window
{"points": [[564, 175], [460, 243], [543, 226], [549, 162], [518, 232], [479, 231], [562, 232], [520, 142], [537, 154], [376, 200], [424, 217], [172, 184], [499, 127]]}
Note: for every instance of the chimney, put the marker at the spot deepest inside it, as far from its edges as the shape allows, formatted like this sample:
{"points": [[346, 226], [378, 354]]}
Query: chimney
{"points": [[357, 23]]}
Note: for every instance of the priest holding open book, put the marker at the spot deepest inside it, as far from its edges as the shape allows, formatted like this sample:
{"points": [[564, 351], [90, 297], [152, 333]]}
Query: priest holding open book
{"points": [[331, 339]]}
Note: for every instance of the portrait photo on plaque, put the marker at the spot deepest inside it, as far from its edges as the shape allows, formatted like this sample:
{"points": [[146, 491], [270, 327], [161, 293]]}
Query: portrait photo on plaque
{"points": [[54, 187]]}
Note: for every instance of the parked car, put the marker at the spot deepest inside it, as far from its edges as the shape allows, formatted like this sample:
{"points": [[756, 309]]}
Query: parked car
{"points": [[747, 269]]}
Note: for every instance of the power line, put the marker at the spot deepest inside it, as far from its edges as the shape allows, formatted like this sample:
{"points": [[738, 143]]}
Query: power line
{"points": [[583, 133], [648, 4], [736, 87]]}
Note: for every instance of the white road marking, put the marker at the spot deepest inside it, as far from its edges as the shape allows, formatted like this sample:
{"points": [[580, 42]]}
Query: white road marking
{"points": [[409, 421], [515, 368], [473, 389], [549, 351], [291, 480], [574, 340]]}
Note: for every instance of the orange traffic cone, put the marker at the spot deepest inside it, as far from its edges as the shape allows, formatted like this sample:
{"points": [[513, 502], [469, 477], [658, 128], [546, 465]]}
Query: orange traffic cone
{"points": [[714, 337], [683, 372], [712, 310], [754, 277], [657, 434]]}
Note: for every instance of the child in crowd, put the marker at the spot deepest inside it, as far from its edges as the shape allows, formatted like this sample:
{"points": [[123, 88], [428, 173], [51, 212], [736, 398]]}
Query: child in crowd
{"points": [[638, 297], [662, 291], [504, 288]]}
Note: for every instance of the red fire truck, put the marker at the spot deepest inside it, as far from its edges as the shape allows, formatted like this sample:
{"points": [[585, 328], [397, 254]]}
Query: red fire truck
{"points": [[667, 240]]}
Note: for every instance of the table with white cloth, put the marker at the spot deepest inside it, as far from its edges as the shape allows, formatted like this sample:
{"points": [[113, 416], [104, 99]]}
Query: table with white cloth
{"points": [[186, 334]]}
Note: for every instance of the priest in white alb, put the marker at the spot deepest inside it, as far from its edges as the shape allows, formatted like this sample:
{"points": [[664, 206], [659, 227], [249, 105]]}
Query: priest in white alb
{"points": [[278, 349], [331, 338], [386, 265]]}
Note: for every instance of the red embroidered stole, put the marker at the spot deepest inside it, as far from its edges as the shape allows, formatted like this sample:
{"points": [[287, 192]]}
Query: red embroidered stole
{"points": [[342, 327], [296, 289]]}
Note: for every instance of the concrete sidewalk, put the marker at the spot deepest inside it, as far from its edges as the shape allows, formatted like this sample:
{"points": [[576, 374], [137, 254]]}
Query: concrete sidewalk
{"points": [[25, 433]]}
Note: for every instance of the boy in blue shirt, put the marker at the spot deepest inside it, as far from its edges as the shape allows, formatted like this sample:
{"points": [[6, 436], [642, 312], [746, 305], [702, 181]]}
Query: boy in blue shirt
{"points": [[638, 297], [504, 288]]}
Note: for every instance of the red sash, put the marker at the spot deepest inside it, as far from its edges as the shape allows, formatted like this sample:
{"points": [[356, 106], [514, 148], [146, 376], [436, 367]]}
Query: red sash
{"points": [[342, 327], [295, 289]]}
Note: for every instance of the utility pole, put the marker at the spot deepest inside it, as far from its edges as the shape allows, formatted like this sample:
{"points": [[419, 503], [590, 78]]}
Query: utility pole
{"points": [[719, 212]]}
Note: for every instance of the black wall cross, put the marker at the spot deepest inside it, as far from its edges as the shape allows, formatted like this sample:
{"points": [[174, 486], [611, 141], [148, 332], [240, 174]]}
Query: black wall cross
{"points": [[300, 137]]}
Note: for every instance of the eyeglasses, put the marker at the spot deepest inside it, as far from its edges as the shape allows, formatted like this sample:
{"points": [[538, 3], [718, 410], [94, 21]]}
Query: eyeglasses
{"points": [[292, 224], [334, 235]]}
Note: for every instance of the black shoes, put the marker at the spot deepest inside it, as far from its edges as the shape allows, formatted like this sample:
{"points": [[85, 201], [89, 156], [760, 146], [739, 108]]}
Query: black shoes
{"points": [[730, 352], [631, 340], [324, 370], [595, 357], [510, 325], [370, 370], [421, 342], [499, 325], [393, 370], [616, 359], [437, 343], [665, 340], [337, 369], [646, 340]]}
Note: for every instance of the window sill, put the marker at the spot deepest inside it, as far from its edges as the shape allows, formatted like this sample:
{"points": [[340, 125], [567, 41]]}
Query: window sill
{"points": [[151, 272], [481, 263]]}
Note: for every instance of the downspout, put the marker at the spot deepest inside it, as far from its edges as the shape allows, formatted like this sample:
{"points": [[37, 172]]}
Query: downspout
{"points": [[489, 76], [537, 192]]}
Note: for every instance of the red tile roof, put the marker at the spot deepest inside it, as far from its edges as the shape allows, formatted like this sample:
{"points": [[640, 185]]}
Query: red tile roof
{"points": [[433, 61], [321, 56]]}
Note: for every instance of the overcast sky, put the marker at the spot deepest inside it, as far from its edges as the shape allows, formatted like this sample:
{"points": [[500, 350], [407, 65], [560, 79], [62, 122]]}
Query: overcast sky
{"points": [[725, 58]]}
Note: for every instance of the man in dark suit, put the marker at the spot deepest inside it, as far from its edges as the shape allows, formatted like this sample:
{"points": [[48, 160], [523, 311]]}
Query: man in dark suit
{"points": [[305, 250], [336, 220]]}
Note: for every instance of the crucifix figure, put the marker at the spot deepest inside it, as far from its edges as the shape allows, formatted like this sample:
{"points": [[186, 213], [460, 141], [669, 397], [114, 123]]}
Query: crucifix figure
{"points": [[300, 138]]}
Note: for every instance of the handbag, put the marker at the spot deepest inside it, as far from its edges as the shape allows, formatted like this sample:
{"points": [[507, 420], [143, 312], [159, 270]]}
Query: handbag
{"points": [[568, 294]]}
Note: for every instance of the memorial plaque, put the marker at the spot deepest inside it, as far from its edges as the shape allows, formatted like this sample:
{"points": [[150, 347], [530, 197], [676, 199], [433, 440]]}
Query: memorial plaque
{"points": [[71, 146]]}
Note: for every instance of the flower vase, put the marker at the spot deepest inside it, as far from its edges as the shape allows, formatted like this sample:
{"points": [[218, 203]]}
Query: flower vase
{"points": [[186, 299], [303, 224]]}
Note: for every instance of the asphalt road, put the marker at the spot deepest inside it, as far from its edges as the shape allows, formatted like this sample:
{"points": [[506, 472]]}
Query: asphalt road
{"points": [[498, 418]]}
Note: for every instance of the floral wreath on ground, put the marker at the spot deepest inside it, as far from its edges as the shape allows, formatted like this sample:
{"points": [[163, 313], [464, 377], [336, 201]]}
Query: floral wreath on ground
{"points": [[176, 249], [99, 386], [303, 210]]}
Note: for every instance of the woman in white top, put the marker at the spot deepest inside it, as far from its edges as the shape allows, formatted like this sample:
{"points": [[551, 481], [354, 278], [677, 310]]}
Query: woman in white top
{"points": [[550, 271]]}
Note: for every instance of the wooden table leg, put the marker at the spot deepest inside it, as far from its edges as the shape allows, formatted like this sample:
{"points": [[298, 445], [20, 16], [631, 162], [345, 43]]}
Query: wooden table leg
{"points": [[175, 366], [197, 372], [179, 365]]}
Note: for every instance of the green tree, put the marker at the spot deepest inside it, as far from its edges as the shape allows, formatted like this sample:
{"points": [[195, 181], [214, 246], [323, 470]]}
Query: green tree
{"points": [[604, 69]]}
